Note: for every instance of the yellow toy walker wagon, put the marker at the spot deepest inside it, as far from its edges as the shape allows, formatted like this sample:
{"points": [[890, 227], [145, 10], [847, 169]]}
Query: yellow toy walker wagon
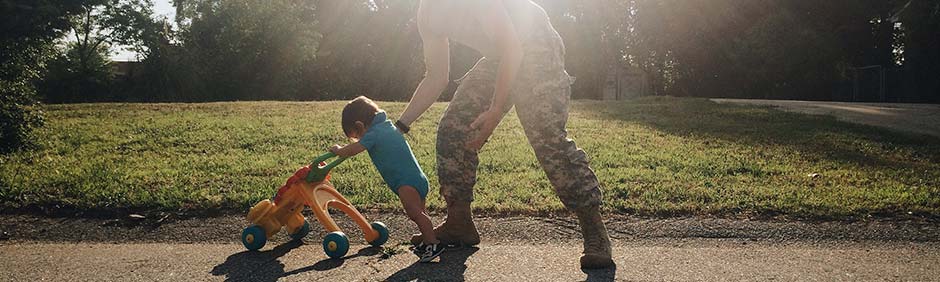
{"points": [[310, 186]]}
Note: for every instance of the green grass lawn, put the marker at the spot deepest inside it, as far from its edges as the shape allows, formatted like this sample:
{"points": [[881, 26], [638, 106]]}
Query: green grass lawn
{"points": [[654, 156]]}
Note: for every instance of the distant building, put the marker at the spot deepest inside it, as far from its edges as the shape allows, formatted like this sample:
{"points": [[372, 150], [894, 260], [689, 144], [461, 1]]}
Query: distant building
{"points": [[625, 82], [126, 69]]}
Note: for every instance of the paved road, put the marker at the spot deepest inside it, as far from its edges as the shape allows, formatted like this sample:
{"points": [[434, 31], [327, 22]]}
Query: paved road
{"points": [[917, 118], [679, 260], [515, 248]]}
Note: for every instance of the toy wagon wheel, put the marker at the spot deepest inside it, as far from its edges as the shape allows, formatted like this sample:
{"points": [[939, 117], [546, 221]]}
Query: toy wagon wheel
{"points": [[254, 238], [383, 234], [300, 234], [335, 244]]}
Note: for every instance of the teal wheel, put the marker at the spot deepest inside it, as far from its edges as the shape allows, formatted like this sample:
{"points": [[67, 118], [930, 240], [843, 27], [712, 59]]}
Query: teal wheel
{"points": [[254, 238], [335, 244], [383, 234], [304, 230]]}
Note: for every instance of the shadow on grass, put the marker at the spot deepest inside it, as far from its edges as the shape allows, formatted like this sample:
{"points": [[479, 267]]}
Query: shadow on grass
{"points": [[452, 267], [814, 135], [818, 144]]}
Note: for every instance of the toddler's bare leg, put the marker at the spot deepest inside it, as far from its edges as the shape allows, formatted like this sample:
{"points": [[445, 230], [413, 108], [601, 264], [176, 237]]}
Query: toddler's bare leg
{"points": [[415, 208]]}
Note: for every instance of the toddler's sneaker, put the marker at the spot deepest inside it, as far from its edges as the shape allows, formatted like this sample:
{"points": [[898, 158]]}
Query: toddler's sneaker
{"points": [[427, 252]]}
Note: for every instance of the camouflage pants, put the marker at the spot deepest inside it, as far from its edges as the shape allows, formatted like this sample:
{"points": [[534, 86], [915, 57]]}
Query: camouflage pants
{"points": [[540, 95]]}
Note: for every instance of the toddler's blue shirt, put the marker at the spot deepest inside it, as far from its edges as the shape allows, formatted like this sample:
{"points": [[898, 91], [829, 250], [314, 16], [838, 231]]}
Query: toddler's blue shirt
{"points": [[392, 156]]}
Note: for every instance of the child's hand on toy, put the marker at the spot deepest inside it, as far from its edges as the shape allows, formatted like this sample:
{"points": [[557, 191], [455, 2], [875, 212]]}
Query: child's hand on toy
{"points": [[336, 148], [348, 150]]}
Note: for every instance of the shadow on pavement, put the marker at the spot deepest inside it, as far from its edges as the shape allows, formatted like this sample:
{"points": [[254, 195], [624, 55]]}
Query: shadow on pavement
{"points": [[254, 265], [452, 266], [598, 275], [265, 266], [329, 263]]}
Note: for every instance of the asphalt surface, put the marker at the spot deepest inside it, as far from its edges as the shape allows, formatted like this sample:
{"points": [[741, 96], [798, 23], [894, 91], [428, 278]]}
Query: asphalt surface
{"points": [[519, 248], [916, 118], [700, 260]]}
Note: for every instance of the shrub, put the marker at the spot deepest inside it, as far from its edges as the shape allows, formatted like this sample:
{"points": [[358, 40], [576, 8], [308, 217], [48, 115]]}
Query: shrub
{"points": [[19, 115]]}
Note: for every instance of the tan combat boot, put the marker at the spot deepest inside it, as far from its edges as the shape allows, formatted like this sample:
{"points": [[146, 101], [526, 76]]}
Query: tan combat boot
{"points": [[457, 228], [596, 242]]}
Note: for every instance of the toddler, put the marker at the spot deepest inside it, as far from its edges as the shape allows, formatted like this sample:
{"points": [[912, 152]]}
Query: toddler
{"points": [[368, 126]]}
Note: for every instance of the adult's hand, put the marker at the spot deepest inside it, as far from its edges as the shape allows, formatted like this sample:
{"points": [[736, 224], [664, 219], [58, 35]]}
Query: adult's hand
{"points": [[497, 23], [485, 124]]}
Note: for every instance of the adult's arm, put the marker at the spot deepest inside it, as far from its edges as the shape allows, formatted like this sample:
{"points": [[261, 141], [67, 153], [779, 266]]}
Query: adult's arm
{"points": [[498, 25], [437, 65]]}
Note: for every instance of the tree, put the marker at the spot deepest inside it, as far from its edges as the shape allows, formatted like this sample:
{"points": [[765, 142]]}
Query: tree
{"points": [[920, 20], [28, 30], [81, 71], [369, 48], [247, 49], [756, 48], [76, 74], [318, 49], [167, 74]]}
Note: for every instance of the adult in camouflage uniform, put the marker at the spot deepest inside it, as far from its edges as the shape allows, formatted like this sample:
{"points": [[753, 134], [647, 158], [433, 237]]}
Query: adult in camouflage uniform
{"points": [[540, 91]]}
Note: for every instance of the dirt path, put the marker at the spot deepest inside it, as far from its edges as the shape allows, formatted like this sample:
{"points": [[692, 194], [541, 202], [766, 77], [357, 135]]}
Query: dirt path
{"points": [[514, 249], [917, 118]]}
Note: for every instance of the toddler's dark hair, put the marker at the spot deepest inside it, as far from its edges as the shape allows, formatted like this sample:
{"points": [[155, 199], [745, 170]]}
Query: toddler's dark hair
{"points": [[361, 109]]}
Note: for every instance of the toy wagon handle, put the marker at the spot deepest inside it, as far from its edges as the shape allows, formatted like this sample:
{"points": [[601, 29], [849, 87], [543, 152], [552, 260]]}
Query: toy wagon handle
{"points": [[318, 173]]}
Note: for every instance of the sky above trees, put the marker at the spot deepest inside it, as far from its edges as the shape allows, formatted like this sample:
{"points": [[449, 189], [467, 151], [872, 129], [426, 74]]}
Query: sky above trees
{"points": [[161, 8]]}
